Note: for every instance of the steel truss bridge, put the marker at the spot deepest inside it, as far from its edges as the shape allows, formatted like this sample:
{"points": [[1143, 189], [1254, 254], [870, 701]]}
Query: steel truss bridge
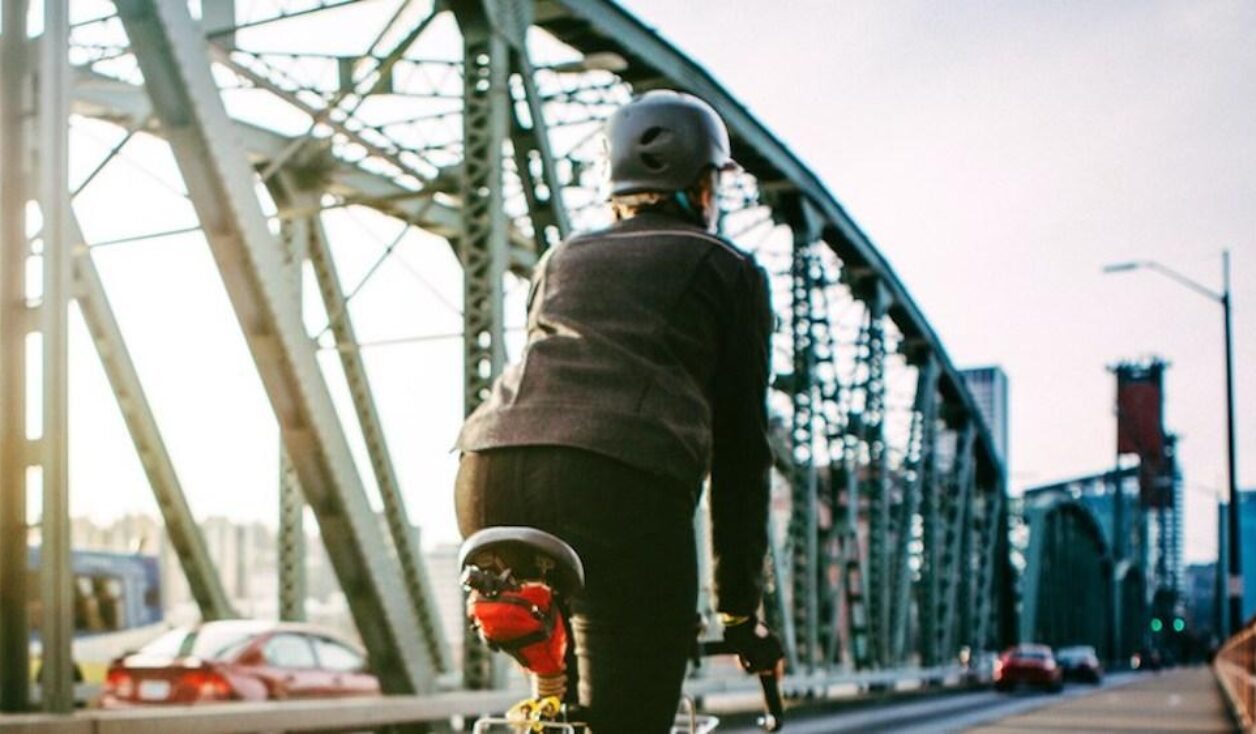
{"points": [[476, 121]]}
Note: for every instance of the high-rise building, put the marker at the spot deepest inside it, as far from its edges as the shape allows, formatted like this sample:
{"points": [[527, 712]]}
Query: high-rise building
{"points": [[1247, 548], [988, 386]]}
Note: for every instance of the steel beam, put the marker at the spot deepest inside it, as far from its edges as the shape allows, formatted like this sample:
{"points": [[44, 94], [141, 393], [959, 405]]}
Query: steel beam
{"points": [[293, 582], [929, 586], [602, 26], [803, 524], [55, 569], [926, 410], [414, 572], [99, 96], [294, 233], [174, 59], [383, 76], [837, 538], [959, 517], [986, 606], [876, 482], [14, 321], [484, 242], [181, 527], [530, 139]]}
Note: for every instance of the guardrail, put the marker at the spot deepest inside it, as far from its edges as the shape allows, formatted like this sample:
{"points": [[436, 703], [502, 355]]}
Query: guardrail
{"points": [[1235, 667], [359, 714]]}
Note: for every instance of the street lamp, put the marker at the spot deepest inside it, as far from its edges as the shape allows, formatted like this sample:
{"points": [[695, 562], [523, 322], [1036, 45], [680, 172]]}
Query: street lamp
{"points": [[1234, 587]]}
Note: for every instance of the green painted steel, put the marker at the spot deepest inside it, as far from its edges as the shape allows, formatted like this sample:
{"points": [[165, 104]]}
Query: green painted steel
{"points": [[1067, 586], [602, 27], [921, 459], [198, 568], [804, 525], [876, 482], [842, 587], [294, 237], [175, 61], [954, 558], [293, 582], [483, 244]]}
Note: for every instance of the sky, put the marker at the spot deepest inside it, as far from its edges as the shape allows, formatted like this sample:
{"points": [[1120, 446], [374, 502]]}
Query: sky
{"points": [[998, 154]]}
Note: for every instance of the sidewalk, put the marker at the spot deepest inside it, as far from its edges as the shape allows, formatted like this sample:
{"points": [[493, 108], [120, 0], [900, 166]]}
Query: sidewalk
{"points": [[1184, 700]]}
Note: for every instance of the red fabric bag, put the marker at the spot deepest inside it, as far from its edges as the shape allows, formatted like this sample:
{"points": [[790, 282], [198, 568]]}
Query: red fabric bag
{"points": [[526, 624]]}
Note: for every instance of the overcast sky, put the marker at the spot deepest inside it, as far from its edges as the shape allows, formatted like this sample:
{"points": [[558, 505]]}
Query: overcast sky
{"points": [[999, 154]]}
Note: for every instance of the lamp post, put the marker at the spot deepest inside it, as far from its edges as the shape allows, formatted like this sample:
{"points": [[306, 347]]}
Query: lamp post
{"points": [[1234, 585]]}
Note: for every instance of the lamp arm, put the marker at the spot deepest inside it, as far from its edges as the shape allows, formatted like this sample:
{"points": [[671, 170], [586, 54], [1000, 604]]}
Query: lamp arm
{"points": [[1183, 280]]}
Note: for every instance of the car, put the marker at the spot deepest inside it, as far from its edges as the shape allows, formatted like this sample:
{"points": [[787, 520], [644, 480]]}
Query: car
{"points": [[1080, 662], [1028, 664], [238, 660]]}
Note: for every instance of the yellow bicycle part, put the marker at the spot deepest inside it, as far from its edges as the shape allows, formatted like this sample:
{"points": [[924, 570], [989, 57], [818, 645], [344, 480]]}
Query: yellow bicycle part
{"points": [[535, 712]]}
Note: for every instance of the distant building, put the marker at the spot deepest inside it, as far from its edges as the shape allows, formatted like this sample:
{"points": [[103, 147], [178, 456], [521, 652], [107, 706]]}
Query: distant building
{"points": [[988, 386], [1199, 594], [1247, 553]]}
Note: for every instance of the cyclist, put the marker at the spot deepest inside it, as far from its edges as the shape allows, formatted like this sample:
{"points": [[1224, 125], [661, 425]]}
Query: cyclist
{"points": [[646, 367]]}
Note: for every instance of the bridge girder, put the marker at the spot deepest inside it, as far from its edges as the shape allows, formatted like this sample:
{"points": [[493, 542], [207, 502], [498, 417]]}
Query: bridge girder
{"points": [[868, 514], [1068, 583]]}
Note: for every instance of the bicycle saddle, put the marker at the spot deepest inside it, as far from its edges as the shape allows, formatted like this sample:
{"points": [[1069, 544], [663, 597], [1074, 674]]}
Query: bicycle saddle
{"points": [[529, 554]]}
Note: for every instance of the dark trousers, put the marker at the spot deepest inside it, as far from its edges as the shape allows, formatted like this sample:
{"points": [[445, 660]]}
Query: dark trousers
{"points": [[634, 623]]}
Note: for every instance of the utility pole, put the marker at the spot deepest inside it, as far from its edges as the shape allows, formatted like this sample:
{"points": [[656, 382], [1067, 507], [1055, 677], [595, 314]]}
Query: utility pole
{"points": [[1235, 585], [1233, 589]]}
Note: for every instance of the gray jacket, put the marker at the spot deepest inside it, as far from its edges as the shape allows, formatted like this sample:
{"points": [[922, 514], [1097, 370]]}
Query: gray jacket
{"points": [[650, 342]]}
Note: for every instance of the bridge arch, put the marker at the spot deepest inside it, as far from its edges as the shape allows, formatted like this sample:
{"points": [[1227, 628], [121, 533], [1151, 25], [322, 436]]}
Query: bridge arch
{"points": [[1067, 587]]}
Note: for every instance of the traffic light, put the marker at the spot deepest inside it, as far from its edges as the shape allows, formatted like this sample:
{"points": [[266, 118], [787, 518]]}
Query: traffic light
{"points": [[1179, 624], [1156, 624]]}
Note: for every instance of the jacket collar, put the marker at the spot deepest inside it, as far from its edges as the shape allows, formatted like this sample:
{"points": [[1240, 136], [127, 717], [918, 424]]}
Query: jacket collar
{"points": [[654, 220]]}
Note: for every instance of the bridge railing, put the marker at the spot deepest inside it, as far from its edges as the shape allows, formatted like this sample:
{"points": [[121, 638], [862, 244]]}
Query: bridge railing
{"points": [[373, 714], [1235, 667]]}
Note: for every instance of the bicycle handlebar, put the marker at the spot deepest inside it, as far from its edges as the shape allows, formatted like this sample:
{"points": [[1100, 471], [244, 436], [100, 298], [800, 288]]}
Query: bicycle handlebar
{"points": [[773, 711]]}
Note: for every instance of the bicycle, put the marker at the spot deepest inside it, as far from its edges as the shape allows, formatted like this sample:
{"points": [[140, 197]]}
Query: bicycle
{"points": [[518, 580]]}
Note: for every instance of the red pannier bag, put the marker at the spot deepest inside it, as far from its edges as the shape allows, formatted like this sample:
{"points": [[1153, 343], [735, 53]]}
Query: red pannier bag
{"points": [[526, 624]]}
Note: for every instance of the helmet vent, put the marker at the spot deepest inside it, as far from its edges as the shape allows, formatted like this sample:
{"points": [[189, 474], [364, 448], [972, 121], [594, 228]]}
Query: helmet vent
{"points": [[652, 162], [650, 135]]}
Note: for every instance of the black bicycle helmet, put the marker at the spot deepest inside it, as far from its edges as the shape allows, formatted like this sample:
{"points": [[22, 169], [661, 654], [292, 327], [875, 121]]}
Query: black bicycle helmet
{"points": [[663, 140]]}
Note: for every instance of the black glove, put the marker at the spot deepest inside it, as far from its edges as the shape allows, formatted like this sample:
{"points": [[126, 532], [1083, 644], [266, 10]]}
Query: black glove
{"points": [[757, 648]]}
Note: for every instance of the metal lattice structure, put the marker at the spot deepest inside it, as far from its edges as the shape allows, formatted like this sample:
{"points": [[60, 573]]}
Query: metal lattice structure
{"points": [[1067, 552], [477, 121]]}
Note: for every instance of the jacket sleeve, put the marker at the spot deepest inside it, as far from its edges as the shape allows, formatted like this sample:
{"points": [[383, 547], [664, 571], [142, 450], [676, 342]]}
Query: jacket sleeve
{"points": [[741, 458]]}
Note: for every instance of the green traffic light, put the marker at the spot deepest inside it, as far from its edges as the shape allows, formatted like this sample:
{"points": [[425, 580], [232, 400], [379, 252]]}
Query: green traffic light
{"points": [[1179, 624], [1156, 625]]}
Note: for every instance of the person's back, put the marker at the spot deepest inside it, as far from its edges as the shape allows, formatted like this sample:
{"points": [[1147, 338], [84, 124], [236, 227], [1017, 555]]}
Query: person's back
{"points": [[626, 329], [646, 365]]}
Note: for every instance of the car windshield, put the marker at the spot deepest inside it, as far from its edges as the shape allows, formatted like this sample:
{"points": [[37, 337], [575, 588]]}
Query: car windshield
{"points": [[1029, 655], [208, 642]]}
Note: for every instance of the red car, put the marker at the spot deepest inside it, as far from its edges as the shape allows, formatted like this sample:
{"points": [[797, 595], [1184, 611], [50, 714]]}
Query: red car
{"points": [[238, 660], [1028, 664]]}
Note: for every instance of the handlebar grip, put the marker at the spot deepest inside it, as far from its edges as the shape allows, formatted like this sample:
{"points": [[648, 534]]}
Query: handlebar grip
{"points": [[774, 717]]}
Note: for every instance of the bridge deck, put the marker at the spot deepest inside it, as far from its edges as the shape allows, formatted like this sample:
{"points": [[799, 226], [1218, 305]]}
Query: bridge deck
{"points": [[1186, 700]]}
